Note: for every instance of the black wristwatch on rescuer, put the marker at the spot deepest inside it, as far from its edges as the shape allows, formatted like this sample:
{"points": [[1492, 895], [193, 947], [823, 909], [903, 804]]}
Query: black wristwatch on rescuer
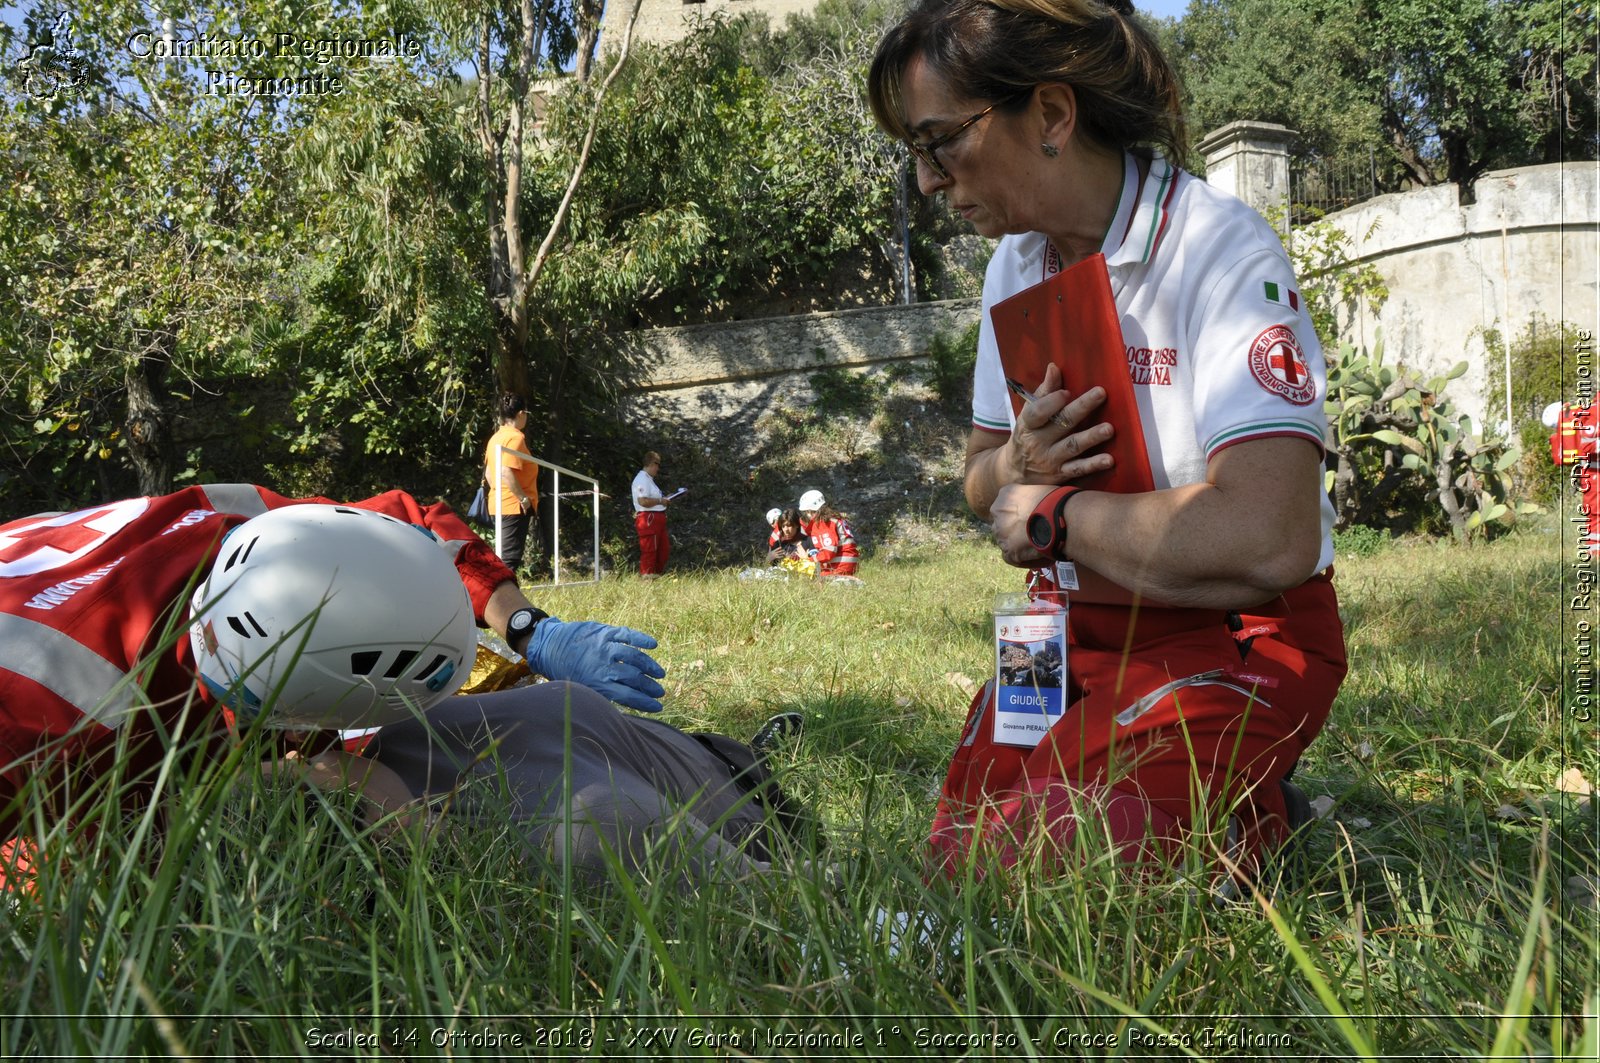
{"points": [[1047, 524], [520, 625]]}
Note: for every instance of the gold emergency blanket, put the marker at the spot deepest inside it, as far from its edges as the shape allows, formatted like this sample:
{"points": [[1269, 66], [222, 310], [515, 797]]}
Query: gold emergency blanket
{"points": [[497, 667]]}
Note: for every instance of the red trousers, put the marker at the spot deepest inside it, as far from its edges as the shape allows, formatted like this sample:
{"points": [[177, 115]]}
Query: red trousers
{"points": [[1174, 715], [652, 528]]}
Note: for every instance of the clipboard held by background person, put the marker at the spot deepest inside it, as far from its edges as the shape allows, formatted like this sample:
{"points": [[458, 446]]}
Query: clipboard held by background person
{"points": [[1071, 319]]}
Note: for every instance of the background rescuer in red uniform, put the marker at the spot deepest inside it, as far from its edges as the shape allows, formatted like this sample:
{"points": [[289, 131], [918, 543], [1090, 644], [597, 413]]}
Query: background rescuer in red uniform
{"points": [[1576, 443], [833, 541]]}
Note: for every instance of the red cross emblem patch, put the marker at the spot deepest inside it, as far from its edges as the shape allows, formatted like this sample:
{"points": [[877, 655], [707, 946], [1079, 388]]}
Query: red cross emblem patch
{"points": [[1278, 366]]}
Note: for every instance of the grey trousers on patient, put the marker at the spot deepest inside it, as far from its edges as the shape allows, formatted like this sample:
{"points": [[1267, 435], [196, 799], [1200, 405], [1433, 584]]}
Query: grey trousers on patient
{"points": [[640, 790]]}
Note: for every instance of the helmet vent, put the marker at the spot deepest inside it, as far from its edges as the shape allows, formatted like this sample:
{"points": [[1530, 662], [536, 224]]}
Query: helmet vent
{"points": [[363, 662], [239, 628], [401, 663], [241, 553], [433, 666]]}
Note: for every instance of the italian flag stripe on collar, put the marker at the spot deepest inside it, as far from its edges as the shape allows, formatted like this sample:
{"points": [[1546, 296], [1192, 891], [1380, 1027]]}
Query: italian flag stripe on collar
{"points": [[1152, 213], [1158, 224]]}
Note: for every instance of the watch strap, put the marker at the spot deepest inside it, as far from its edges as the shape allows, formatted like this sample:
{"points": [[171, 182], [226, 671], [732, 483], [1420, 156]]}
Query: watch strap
{"points": [[535, 615], [1047, 524]]}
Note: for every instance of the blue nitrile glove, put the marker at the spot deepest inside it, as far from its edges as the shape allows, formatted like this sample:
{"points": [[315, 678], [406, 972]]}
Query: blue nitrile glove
{"points": [[607, 659]]}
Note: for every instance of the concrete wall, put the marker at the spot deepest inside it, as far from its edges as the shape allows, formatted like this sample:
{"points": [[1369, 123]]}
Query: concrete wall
{"points": [[1529, 246], [711, 355]]}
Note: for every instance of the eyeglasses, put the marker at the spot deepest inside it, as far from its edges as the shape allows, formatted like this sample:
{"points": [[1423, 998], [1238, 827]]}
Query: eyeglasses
{"points": [[924, 153]]}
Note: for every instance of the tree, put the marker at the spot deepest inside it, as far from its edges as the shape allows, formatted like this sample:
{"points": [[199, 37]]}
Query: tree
{"points": [[1439, 92], [513, 46], [138, 219], [1283, 61], [391, 329]]}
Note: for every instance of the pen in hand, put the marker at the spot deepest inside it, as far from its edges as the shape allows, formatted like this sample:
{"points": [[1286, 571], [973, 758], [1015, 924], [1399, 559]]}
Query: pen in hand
{"points": [[1057, 418]]}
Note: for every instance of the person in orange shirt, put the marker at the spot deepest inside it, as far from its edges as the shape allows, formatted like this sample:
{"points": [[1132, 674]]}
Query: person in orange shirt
{"points": [[514, 500]]}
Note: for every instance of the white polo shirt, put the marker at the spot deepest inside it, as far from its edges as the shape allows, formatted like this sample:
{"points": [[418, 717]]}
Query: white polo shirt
{"points": [[1219, 346], [645, 487]]}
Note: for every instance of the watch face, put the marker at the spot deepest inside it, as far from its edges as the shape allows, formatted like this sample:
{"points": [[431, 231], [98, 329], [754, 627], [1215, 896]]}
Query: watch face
{"points": [[521, 620], [1040, 533]]}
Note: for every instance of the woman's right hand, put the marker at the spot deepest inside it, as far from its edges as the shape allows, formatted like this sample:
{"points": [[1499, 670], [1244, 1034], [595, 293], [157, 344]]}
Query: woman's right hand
{"points": [[1043, 451]]}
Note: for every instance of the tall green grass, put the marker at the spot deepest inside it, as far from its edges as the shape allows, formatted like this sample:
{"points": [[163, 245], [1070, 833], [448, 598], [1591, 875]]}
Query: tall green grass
{"points": [[1439, 911]]}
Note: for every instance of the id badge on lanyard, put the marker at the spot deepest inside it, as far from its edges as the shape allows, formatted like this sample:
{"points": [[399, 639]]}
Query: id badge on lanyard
{"points": [[1030, 649]]}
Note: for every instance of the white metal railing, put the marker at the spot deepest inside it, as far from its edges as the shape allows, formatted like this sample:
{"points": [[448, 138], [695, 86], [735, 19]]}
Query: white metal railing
{"points": [[555, 520]]}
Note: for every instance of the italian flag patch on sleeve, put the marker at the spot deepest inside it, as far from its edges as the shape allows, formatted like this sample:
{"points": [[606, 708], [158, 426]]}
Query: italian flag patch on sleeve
{"points": [[1282, 295]]}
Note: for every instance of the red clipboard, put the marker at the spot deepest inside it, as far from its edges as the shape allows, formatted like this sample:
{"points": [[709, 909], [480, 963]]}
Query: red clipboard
{"points": [[1071, 319]]}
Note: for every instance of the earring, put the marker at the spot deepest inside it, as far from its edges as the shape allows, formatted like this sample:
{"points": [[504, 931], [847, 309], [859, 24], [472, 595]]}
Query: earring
{"points": [[1050, 149]]}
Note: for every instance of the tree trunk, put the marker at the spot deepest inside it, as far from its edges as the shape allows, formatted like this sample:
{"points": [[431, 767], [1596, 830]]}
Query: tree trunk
{"points": [[1345, 502], [589, 13], [1413, 163], [149, 423]]}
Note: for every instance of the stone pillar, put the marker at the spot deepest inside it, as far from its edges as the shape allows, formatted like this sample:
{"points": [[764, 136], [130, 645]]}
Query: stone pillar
{"points": [[1250, 160]]}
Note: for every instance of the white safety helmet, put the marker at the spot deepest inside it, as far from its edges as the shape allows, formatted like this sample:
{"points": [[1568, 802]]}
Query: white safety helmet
{"points": [[773, 514], [331, 617], [812, 501]]}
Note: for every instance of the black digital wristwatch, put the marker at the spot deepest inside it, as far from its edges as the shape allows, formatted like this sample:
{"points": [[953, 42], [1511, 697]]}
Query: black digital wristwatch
{"points": [[1047, 524]]}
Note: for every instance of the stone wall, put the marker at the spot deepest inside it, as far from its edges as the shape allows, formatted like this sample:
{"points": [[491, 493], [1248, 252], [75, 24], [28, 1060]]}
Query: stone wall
{"points": [[1528, 247], [664, 21], [728, 373]]}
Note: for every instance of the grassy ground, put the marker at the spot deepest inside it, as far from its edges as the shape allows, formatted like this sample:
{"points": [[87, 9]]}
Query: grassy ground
{"points": [[1446, 909]]}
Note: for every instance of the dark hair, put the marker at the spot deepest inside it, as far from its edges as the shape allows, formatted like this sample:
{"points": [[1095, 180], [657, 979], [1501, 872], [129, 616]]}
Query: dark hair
{"points": [[789, 516], [510, 405], [1001, 49]]}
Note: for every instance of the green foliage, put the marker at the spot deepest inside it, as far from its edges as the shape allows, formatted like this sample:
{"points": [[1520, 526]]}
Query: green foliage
{"points": [[841, 392], [951, 358], [1400, 457], [713, 184], [1358, 540], [1545, 358], [390, 331], [164, 245], [150, 256], [1332, 287], [1422, 92], [1538, 477], [1403, 458], [1283, 61], [1544, 366]]}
